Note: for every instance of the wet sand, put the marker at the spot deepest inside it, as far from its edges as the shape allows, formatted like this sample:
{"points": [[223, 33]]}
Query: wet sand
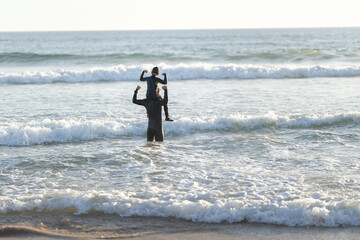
{"points": [[100, 226]]}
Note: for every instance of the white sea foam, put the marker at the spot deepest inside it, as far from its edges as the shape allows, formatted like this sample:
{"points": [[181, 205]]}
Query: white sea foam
{"points": [[69, 130], [74, 130], [299, 212], [180, 71]]}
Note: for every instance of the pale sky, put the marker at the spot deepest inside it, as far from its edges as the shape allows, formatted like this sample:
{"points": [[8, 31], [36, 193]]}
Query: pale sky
{"points": [[58, 15]]}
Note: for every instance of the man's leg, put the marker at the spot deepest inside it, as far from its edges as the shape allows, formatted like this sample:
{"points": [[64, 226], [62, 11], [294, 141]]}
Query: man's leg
{"points": [[150, 135], [159, 136]]}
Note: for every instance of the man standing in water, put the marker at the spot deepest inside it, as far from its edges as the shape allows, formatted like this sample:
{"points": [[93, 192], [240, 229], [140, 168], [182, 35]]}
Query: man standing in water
{"points": [[152, 85], [153, 109]]}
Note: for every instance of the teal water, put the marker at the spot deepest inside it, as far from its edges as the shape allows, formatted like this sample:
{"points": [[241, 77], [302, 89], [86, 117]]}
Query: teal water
{"points": [[71, 49], [258, 139]]}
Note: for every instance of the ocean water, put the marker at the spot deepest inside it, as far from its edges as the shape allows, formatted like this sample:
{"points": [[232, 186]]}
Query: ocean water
{"points": [[266, 130]]}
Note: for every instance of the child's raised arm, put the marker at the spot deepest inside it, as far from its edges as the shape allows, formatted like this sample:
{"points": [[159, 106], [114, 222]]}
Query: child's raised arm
{"points": [[163, 81], [142, 75]]}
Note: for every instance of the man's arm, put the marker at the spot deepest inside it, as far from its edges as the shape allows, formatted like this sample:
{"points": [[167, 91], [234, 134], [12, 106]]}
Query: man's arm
{"points": [[142, 75], [135, 100], [162, 81], [165, 100]]}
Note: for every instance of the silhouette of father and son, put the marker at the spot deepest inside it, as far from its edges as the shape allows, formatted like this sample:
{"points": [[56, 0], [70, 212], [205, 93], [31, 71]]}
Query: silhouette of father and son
{"points": [[153, 104]]}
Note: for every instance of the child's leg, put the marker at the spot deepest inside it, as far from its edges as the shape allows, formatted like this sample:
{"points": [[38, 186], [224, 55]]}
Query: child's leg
{"points": [[166, 110]]}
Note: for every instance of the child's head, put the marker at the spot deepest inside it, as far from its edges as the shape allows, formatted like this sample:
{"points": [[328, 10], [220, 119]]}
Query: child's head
{"points": [[155, 71]]}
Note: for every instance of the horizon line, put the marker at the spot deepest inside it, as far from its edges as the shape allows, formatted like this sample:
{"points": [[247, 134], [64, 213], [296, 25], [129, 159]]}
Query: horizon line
{"points": [[176, 29]]}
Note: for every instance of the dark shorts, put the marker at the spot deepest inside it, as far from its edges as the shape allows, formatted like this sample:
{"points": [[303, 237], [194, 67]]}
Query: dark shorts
{"points": [[152, 133]]}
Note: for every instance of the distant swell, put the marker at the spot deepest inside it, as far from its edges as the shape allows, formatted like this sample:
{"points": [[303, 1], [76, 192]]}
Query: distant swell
{"points": [[33, 58], [75, 130], [20, 57], [206, 54], [180, 72]]}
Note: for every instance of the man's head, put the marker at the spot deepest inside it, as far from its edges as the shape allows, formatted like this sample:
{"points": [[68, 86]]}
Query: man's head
{"points": [[155, 71], [158, 91]]}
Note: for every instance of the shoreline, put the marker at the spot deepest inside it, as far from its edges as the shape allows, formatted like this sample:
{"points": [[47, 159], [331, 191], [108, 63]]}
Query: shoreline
{"points": [[33, 225]]}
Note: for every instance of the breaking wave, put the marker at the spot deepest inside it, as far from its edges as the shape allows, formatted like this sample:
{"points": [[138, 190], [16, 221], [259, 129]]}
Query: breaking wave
{"points": [[74, 130], [180, 72], [299, 212]]}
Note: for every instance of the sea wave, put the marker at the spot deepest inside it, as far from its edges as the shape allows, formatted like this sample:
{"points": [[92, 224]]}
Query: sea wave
{"points": [[49, 131], [25, 57], [180, 72], [307, 211], [206, 54], [33, 58]]}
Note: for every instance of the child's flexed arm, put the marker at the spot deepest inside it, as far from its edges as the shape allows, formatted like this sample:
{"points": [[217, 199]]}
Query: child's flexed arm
{"points": [[162, 81], [142, 75]]}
